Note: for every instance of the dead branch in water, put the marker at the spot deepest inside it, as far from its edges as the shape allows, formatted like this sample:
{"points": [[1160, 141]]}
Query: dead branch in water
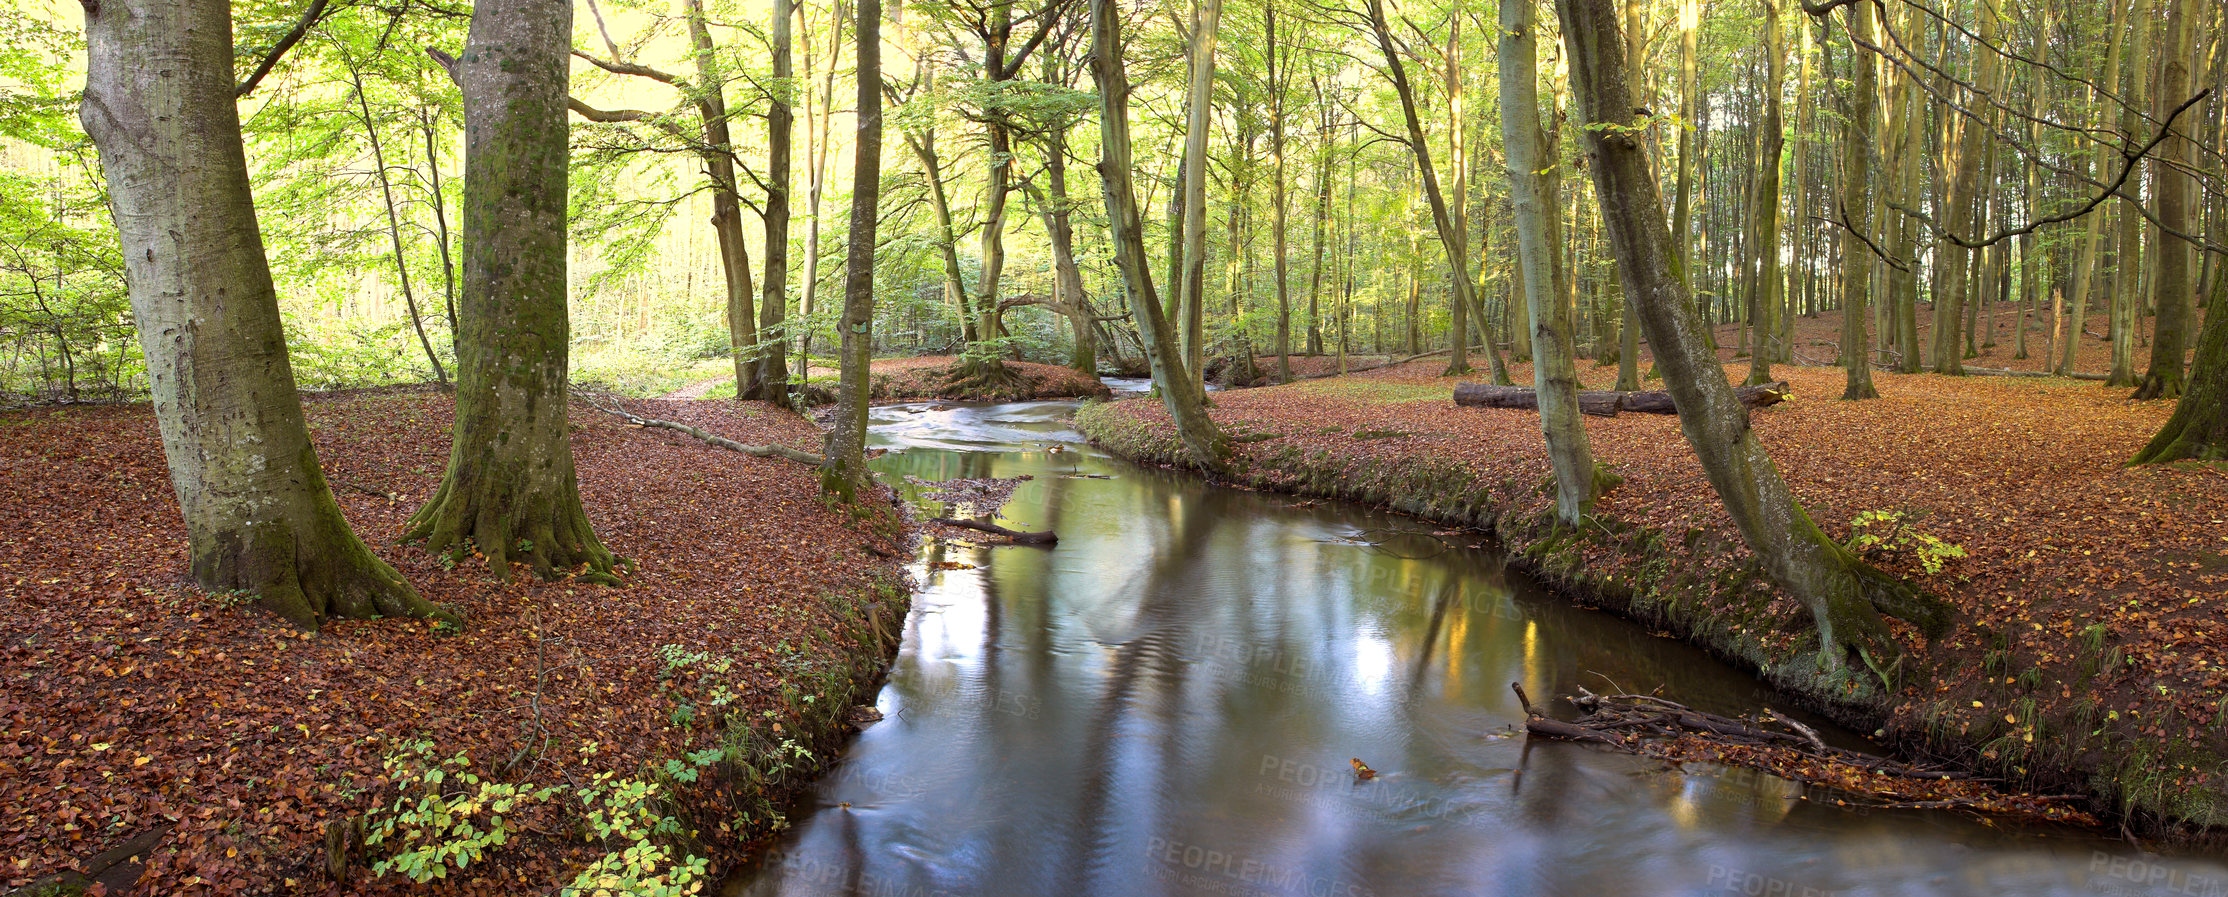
{"points": [[1652, 726]]}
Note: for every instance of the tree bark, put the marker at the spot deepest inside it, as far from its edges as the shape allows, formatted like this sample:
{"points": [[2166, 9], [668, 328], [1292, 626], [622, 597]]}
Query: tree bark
{"points": [[259, 517], [1844, 595], [1856, 176], [1177, 385], [1191, 277], [2198, 431], [1554, 374], [773, 306], [511, 492], [1763, 209], [846, 473], [1278, 198], [2177, 210]]}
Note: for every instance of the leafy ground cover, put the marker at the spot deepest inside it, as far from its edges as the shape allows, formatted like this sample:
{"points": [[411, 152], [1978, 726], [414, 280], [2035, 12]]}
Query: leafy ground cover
{"points": [[2093, 648], [671, 711]]}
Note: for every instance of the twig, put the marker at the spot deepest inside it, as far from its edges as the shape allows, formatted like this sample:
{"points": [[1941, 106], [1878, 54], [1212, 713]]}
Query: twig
{"points": [[762, 451]]}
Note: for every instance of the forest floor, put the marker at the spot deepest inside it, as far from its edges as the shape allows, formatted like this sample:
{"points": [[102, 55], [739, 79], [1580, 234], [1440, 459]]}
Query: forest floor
{"points": [[2092, 651], [133, 701]]}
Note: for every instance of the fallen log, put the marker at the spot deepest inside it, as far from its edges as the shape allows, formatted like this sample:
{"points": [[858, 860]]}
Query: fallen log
{"points": [[1018, 536], [1606, 403], [761, 451], [1666, 730]]}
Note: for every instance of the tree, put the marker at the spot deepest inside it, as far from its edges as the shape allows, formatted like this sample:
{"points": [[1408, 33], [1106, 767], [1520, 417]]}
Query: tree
{"points": [[1176, 383], [845, 471], [1553, 372], [1856, 176], [259, 517], [2172, 281], [2198, 431], [511, 492], [773, 307], [1845, 596], [1451, 233], [1761, 267]]}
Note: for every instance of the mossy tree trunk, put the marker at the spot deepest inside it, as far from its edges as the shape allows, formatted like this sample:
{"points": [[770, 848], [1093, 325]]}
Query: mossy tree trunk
{"points": [[845, 471], [2172, 271], [2198, 431], [1845, 596], [259, 516], [1856, 179], [511, 492], [1177, 383], [773, 305]]}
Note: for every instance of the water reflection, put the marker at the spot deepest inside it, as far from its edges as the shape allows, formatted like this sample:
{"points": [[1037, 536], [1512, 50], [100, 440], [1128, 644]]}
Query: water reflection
{"points": [[1169, 701]]}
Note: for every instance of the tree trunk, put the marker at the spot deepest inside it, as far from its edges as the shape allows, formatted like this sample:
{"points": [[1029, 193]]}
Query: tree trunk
{"points": [[1072, 300], [727, 206], [773, 306], [394, 221], [1278, 198], [1451, 235], [1763, 209], [1856, 175], [1191, 276], [2125, 308], [1554, 375], [1201, 437], [1845, 596], [2177, 211], [259, 518], [1964, 202], [511, 492], [2198, 431], [846, 473]]}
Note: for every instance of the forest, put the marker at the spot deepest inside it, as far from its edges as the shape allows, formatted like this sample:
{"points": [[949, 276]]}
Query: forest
{"points": [[500, 421]]}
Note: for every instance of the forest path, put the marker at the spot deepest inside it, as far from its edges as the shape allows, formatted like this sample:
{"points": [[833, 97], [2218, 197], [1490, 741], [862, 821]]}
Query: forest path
{"points": [[695, 390]]}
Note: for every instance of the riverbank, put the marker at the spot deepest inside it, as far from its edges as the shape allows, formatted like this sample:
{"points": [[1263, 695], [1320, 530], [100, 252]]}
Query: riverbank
{"points": [[930, 377], [692, 700], [2092, 650]]}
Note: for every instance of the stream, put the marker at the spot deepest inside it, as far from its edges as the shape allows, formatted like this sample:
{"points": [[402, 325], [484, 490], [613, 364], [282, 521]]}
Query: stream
{"points": [[1170, 701]]}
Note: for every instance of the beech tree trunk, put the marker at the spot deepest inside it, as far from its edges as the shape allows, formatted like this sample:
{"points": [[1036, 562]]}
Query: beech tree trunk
{"points": [[773, 306], [259, 517], [1845, 596], [845, 456], [511, 492], [1451, 233], [1201, 437], [1762, 264], [1554, 374], [1278, 198], [1856, 178], [2198, 431], [2172, 269], [1191, 274]]}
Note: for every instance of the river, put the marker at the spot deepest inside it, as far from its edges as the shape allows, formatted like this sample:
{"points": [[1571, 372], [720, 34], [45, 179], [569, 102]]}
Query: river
{"points": [[1170, 702]]}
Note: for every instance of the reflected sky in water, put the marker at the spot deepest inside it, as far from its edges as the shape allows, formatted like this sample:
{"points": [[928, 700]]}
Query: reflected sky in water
{"points": [[1169, 701]]}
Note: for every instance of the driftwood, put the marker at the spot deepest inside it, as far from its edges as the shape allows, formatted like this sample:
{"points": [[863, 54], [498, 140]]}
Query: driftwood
{"points": [[1606, 403], [1019, 537], [613, 407], [1652, 726]]}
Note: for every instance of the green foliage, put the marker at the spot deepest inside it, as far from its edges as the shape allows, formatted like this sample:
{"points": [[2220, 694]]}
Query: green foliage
{"points": [[625, 814], [444, 816], [1892, 532]]}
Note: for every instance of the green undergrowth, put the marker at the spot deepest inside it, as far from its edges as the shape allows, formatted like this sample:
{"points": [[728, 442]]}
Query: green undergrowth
{"points": [[656, 827], [1708, 591]]}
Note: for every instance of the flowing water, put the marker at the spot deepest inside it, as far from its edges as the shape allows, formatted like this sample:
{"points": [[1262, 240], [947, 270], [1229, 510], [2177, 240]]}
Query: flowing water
{"points": [[1171, 700]]}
